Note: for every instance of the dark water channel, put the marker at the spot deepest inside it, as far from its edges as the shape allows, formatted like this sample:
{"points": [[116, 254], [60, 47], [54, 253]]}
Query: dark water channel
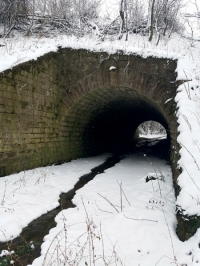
{"points": [[40, 227]]}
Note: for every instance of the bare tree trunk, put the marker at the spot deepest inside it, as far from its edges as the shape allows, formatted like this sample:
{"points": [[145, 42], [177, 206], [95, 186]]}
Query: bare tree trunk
{"points": [[174, 18], [126, 15], [121, 12], [198, 14], [158, 14], [32, 19], [166, 25], [151, 20]]}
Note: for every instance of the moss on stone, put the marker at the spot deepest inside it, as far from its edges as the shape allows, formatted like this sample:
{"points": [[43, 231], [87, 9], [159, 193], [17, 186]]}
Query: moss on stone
{"points": [[187, 225]]}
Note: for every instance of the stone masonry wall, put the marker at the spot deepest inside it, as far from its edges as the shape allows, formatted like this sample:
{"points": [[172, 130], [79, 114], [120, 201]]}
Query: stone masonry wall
{"points": [[30, 113], [45, 105]]}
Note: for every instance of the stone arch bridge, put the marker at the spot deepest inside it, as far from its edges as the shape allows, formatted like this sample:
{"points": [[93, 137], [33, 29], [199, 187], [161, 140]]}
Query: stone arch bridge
{"points": [[74, 103]]}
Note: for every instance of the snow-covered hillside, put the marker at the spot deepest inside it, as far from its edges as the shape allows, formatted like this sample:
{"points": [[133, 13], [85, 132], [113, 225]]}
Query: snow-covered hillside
{"points": [[20, 49], [14, 51]]}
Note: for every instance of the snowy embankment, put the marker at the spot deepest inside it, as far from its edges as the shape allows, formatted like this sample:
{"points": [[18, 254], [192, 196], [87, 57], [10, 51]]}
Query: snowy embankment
{"points": [[25, 196], [20, 49], [120, 214], [188, 113], [17, 50], [125, 216]]}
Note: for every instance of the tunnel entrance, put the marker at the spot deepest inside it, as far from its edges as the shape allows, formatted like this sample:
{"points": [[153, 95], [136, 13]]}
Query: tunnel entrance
{"points": [[79, 103], [151, 129], [107, 120], [151, 138]]}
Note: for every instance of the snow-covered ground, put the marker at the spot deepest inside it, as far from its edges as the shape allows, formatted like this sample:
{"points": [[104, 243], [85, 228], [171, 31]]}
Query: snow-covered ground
{"points": [[188, 95], [121, 219], [18, 190], [153, 136], [29, 194], [21, 49]]}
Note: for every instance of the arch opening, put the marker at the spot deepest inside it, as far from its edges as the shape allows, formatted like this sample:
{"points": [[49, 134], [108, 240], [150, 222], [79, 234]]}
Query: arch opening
{"points": [[151, 129], [105, 120]]}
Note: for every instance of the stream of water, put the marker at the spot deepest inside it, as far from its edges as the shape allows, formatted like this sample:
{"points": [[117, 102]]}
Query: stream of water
{"points": [[37, 229]]}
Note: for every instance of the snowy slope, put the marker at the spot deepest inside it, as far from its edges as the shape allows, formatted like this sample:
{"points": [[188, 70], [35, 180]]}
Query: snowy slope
{"points": [[121, 219], [29, 194], [18, 50]]}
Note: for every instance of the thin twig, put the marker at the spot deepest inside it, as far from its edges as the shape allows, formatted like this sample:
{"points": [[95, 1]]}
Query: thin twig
{"points": [[154, 167], [124, 194], [141, 219], [121, 195], [162, 258], [102, 210], [190, 154], [170, 237], [191, 177], [108, 202]]}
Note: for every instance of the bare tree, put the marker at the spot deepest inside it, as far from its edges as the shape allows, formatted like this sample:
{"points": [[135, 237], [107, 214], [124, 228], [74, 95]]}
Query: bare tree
{"points": [[151, 19], [151, 127], [163, 17], [33, 16], [11, 12], [122, 13], [132, 17], [137, 22], [192, 18]]}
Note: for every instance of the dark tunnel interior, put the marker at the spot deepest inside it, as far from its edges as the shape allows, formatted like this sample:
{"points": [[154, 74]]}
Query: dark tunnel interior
{"points": [[113, 117]]}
